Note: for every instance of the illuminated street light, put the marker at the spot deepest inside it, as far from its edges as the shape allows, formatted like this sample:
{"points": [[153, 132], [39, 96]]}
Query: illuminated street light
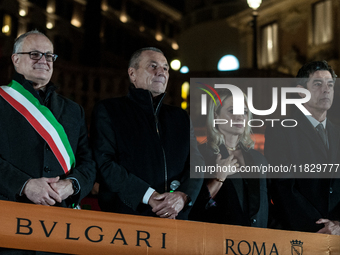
{"points": [[75, 22], [184, 69], [254, 4], [6, 24], [5, 29], [175, 64], [50, 8], [184, 105], [104, 6], [185, 93], [175, 46], [123, 18], [228, 63], [159, 37], [22, 13], [185, 90], [49, 25]]}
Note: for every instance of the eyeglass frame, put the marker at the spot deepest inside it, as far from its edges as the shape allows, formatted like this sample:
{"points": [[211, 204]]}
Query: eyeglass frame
{"points": [[54, 56]]}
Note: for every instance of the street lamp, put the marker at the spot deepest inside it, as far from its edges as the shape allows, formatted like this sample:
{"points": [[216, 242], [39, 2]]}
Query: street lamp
{"points": [[254, 4]]}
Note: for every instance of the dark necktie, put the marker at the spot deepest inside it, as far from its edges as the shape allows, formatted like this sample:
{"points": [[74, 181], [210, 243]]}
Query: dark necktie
{"points": [[322, 132]]}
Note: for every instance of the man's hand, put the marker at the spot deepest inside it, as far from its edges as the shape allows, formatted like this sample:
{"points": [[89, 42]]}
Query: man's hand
{"points": [[40, 192], [171, 204], [63, 188], [331, 227], [154, 202]]}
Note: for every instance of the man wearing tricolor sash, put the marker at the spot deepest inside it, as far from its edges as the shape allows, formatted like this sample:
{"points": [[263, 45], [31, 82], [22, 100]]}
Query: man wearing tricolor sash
{"points": [[44, 154]]}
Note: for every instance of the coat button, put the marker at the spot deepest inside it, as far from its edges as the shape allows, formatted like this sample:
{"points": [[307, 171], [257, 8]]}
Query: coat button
{"points": [[253, 221], [331, 190], [47, 169]]}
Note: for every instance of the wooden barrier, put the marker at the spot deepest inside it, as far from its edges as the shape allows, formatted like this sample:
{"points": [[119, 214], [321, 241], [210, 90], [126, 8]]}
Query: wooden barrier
{"points": [[43, 228]]}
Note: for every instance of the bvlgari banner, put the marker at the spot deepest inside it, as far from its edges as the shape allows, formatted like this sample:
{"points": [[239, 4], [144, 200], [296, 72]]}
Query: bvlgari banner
{"points": [[52, 229]]}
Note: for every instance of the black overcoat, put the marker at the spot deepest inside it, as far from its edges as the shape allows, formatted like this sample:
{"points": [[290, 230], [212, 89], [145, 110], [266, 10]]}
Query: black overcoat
{"points": [[24, 154], [300, 202], [242, 202], [139, 142]]}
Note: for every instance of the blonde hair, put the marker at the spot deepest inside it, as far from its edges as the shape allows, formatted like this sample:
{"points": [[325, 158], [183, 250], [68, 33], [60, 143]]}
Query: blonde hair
{"points": [[214, 137]]}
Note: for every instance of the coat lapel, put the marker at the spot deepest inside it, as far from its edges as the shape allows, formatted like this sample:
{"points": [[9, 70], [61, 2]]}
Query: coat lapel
{"points": [[253, 185], [57, 105], [238, 188], [334, 140], [307, 129]]}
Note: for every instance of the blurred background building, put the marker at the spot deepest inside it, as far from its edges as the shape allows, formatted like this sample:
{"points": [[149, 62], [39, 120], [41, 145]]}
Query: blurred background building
{"points": [[211, 38]]}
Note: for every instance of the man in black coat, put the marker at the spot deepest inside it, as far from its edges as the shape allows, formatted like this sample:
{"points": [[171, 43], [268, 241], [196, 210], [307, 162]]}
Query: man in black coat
{"points": [[311, 204], [142, 146], [31, 170]]}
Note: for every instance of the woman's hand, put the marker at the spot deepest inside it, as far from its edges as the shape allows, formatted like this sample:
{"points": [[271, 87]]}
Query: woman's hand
{"points": [[228, 166]]}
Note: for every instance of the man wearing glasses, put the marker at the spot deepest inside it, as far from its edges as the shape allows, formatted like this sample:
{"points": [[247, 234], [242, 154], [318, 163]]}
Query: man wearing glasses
{"points": [[44, 154]]}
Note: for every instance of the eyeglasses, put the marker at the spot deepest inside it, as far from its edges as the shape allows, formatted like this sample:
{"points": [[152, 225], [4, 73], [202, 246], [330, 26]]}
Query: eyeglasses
{"points": [[37, 55]]}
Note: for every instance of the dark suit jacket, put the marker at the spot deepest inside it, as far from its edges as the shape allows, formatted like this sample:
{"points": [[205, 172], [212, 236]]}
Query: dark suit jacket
{"points": [[138, 143], [299, 203], [239, 201], [24, 154]]}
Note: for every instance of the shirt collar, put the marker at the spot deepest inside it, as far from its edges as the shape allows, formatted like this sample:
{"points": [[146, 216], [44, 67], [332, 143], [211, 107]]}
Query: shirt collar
{"points": [[315, 122]]}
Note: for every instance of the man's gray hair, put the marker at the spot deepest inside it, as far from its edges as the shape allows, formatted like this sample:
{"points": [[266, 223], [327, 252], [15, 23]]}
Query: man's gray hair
{"points": [[134, 60], [18, 42]]}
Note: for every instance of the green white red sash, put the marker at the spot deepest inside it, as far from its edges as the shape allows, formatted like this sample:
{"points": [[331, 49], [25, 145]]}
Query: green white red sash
{"points": [[42, 120]]}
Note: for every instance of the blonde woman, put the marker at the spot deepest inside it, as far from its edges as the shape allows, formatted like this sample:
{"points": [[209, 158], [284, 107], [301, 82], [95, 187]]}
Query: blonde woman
{"points": [[229, 197]]}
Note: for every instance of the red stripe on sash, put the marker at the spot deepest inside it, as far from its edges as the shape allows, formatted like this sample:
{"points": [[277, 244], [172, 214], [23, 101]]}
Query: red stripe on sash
{"points": [[37, 126]]}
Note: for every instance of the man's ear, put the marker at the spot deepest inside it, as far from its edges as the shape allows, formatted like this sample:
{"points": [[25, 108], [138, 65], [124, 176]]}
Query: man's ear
{"points": [[302, 95], [132, 74], [15, 59]]}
